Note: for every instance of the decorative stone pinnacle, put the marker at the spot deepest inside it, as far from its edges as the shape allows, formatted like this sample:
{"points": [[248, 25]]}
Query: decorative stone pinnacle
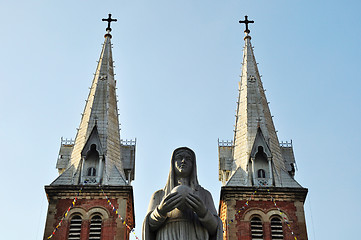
{"points": [[109, 20], [246, 21]]}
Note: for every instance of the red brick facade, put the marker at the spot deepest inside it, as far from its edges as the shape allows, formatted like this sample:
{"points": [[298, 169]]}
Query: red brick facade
{"points": [[237, 220], [90, 201]]}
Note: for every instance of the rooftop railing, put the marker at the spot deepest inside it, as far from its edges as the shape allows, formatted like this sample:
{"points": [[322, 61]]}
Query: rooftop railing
{"points": [[128, 142], [225, 143], [65, 141], [286, 144]]}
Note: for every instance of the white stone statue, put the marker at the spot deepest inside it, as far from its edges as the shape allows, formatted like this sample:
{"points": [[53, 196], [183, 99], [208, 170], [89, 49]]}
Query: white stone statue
{"points": [[183, 210]]}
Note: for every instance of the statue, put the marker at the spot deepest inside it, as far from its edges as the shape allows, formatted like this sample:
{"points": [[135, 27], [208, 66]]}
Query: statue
{"points": [[182, 210]]}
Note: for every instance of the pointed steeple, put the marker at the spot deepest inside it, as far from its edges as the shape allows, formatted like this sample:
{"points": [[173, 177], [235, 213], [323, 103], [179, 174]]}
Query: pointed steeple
{"points": [[97, 143], [254, 130]]}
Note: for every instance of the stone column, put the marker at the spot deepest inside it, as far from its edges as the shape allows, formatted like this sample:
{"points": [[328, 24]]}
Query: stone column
{"points": [[82, 170], [85, 225], [100, 171], [270, 181], [253, 173]]}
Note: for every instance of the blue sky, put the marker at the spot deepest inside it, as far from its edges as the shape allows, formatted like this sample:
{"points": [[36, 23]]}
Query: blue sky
{"points": [[178, 66]]}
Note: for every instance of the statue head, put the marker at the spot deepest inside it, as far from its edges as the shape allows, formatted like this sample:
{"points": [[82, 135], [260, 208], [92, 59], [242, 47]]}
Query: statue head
{"points": [[183, 159], [183, 165]]}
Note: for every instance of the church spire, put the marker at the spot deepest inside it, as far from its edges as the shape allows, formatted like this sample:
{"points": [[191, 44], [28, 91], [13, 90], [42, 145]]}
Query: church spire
{"points": [[255, 150], [97, 154], [94, 169]]}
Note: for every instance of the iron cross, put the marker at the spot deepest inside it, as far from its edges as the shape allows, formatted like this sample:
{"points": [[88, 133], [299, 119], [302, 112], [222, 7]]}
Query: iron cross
{"points": [[109, 20], [246, 22]]}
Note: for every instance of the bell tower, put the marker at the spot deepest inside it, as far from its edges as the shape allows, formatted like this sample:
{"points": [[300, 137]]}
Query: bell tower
{"points": [[260, 198], [92, 198]]}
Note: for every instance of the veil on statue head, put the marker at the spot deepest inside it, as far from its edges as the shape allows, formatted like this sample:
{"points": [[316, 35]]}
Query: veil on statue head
{"points": [[171, 177]]}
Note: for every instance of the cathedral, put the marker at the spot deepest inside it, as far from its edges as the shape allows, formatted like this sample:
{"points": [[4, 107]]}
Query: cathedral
{"points": [[92, 198]]}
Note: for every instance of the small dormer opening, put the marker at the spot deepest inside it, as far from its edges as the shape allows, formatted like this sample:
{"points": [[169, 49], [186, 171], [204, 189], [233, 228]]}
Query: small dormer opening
{"points": [[261, 161], [261, 169], [292, 170], [91, 168], [260, 153], [92, 153], [91, 171], [261, 173]]}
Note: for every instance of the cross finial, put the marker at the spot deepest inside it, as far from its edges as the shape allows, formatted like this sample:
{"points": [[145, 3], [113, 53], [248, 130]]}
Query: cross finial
{"points": [[246, 21], [109, 20]]}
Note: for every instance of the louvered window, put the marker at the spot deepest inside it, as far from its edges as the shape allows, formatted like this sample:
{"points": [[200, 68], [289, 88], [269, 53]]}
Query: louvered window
{"points": [[75, 228], [276, 228], [95, 228], [256, 228]]}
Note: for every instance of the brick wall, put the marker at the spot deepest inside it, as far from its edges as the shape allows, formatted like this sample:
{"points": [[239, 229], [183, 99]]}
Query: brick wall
{"points": [[236, 221], [89, 202]]}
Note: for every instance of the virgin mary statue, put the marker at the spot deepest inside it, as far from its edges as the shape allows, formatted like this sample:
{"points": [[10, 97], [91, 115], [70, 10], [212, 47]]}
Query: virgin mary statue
{"points": [[182, 210]]}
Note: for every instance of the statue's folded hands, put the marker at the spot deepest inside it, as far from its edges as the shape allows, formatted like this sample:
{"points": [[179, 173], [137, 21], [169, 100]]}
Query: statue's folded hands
{"points": [[169, 203]]}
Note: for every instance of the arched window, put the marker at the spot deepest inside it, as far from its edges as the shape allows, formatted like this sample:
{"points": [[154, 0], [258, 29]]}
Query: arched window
{"points": [[95, 227], [91, 171], [261, 173], [256, 228], [75, 228], [276, 228]]}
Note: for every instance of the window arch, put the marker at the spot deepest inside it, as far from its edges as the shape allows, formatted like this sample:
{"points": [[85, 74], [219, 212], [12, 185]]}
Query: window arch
{"points": [[95, 229], [261, 173], [256, 228], [276, 228], [75, 228]]}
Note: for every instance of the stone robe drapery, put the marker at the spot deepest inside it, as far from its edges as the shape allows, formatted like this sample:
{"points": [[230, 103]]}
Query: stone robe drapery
{"points": [[181, 225]]}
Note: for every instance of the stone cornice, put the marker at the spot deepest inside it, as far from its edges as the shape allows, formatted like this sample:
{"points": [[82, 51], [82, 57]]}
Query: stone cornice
{"points": [[66, 191], [280, 194]]}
